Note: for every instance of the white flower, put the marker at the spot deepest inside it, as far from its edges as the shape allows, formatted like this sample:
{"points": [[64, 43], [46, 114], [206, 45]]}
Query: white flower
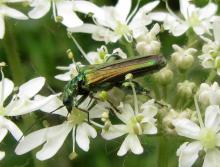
{"points": [[6, 11], [209, 94], [204, 137], [63, 11], [71, 71], [147, 43], [211, 50], [112, 23], [19, 104], [135, 124], [182, 57], [198, 19], [53, 138]]}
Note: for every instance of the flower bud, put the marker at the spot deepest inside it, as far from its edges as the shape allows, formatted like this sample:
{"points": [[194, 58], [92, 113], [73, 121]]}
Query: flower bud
{"points": [[73, 155], [147, 43], [145, 48], [182, 58], [70, 54], [59, 19], [103, 95], [2, 64], [128, 77], [105, 116], [186, 89], [164, 76]]}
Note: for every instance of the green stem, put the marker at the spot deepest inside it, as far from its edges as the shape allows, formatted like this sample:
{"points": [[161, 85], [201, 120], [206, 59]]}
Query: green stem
{"points": [[211, 76], [164, 90], [163, 152], [129, 48], [13, 58]]}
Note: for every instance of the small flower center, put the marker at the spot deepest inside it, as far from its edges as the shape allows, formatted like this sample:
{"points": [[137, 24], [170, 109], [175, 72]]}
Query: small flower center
{"points": [[194, 19], [135, 125], [208, 138], [77, 116], [122, 29]]}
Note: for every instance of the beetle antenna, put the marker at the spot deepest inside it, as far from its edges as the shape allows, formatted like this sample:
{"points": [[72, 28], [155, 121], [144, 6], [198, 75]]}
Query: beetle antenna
{"points": [[39, 120], [47, 84]]}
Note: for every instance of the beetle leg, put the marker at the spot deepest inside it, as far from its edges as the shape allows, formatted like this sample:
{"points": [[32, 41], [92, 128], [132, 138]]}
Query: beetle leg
{"points": [[113, 106]]}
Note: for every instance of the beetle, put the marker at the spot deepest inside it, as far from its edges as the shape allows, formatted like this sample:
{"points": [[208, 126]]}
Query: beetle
{"points": [[92, 78]]}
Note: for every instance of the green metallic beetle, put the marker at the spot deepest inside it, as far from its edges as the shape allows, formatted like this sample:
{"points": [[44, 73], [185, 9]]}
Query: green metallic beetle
{"points": [[93, 78]]}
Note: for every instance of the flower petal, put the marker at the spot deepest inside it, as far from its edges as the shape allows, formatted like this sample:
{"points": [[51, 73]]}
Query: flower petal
{"points": [[55, 139], [127, 112], [186, 128], [31, 141], [24, 106], [65, 9], [99, 33], [149, 128], [3, 133], [211, 7], [212, 117], [31, 88], [123, 7], [216, 25], [64, 77], [87, 7], [11, 127], [52, 104], [83, 132], [211, 158], [2, 155], [2, 27], [41, 7], [132, 143], [7, 89], [188, 153], [13, 13], [114, 131], [184, 5], [149, 109]]}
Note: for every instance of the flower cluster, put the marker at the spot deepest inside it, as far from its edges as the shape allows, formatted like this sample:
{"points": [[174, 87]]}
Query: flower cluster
{"points": [[181, 99]]}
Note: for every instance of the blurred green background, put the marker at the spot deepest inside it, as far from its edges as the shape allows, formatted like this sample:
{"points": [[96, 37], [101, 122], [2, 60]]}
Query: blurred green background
{"points": [[34, 48]]}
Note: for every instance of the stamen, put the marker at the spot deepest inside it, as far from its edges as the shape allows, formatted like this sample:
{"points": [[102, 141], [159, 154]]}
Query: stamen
{"points": [[96, 124], [198, 113], [78, 45]]}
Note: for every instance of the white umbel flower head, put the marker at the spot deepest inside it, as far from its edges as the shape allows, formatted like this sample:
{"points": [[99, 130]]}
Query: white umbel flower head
{"points": [[205, 137], [135, 124], [209, 94], [114, 22], [6, 11], [63, 11], [199, 19]]}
